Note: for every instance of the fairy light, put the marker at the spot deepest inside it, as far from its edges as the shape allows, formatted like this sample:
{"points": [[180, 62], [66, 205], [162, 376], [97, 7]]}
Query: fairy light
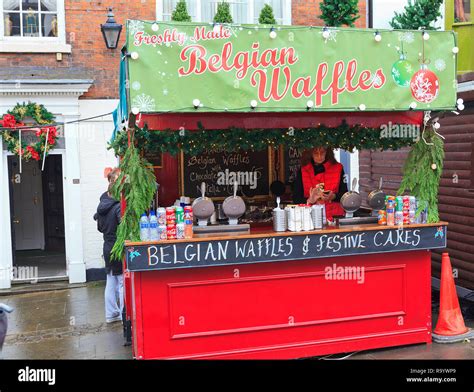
{"points": [[378, 36], [326, 33], [273, 33]]}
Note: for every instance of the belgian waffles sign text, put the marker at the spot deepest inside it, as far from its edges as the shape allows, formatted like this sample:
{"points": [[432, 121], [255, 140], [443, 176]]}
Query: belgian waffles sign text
{"points": [[228, 67]]}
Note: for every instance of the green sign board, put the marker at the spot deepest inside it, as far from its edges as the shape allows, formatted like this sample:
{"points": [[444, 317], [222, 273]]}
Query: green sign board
{"points": [[187, 67]]}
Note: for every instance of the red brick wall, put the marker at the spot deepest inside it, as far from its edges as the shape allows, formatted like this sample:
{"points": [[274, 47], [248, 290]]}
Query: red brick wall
{"points": [[306, 12], [91, 59], [89, 55]]}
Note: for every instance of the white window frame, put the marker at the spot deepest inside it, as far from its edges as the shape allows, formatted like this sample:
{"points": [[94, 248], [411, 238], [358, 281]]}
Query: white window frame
{"points": [[36, 44], [250, 11]]}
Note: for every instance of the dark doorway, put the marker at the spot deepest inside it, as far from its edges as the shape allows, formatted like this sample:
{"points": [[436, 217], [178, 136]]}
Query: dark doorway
{"points": [[37, 212]]}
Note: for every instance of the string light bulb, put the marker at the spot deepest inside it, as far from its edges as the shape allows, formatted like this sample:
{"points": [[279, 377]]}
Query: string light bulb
{"points": [[273, 33], [154, 27], [362, 107], [309, 104], [425, 36], [134, 55], [413, 105], [326, 33], [378, 36], [196, 103], [253, 103], [455, 50], [135, 110]]}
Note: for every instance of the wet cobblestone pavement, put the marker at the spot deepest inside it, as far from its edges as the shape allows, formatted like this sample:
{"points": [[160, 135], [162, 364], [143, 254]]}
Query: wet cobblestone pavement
{"points": [[70, 324], [63, 324]]}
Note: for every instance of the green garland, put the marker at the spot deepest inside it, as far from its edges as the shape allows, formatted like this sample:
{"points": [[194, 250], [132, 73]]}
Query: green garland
{"points": [[32, 109], [422, 172], [47, 136], [136, 183], [194, 142]]}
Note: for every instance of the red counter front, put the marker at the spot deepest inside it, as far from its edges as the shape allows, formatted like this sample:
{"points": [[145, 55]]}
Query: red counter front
{"points": [[283, 309]]}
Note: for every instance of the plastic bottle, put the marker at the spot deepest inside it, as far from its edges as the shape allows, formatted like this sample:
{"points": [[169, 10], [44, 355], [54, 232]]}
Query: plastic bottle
{"points": [[144, 228], [154, 235]]}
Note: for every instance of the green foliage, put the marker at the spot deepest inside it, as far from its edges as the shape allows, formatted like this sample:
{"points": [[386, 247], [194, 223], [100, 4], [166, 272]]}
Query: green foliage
{"points": [[339, 12], [417, 14], [136, 183], [223, 13], [419, 177], [344, 136], [32, 109], [180, 13], [266, 15]]}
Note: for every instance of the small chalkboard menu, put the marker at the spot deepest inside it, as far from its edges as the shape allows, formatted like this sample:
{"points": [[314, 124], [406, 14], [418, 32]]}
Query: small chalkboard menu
{"points": [[292, 163], [155, 159], [220, 169]]}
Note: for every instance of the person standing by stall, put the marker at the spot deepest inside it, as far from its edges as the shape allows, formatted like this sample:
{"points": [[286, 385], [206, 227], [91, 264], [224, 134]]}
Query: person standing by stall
{"points": [[108, 218], [321, 181]]}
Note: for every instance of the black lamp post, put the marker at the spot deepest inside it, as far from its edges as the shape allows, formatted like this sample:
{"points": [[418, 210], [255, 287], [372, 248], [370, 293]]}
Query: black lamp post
{"points": [[111, 30]]}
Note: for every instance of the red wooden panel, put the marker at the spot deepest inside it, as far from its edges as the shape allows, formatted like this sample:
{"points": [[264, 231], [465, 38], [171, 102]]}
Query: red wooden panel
{"points": [[270, 302], [284, 309]]}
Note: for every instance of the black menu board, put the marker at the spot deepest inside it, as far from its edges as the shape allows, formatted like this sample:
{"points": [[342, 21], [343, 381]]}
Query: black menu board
{"points": [[292, 163], [220, 169]]}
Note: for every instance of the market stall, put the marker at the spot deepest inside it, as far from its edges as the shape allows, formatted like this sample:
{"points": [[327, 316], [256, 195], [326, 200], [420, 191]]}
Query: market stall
{"points": [[218, 115]]}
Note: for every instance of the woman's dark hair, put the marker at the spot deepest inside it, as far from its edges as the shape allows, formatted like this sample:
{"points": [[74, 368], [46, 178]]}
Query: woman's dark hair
{"points": [[308, 154]]}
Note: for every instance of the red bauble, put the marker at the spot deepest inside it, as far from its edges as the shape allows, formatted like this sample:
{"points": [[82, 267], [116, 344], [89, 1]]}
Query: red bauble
{"points": [[424, 86]]}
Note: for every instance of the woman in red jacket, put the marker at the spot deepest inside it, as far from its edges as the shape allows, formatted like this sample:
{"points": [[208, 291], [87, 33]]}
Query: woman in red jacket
{"points": [[322, 171]]}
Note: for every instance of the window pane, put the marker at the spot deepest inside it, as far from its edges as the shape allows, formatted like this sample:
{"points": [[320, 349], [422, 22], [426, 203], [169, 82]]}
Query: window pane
{"points": [[12, 24], [170, 5], [30, 25], [238, 10], [30, 5], [11, 5], [49, 24], [462, 11], [277, 6], [49, 5]]}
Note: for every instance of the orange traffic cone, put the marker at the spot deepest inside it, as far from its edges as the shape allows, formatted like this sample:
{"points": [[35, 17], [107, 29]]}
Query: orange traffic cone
{"points": [[450, 327]]}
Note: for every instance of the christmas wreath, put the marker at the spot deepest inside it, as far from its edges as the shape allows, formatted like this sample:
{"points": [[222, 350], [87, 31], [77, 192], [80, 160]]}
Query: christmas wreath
{"points": [[14, 118]]}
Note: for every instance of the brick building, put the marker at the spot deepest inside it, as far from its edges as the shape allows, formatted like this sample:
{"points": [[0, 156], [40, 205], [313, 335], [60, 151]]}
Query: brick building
{"points": [[52, 52]]}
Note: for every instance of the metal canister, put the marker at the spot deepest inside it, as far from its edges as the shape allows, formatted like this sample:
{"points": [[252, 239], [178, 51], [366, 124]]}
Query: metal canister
{"points": [[162, 232], [171, 232], [180, 230], [188, 213], [406, 202], [406, 216], [399, 203], [390, 217], [179, 215], [382, 217], [317, 214], [170, 216], [306, 220], [412, 203], [161, 215], [411, 216], [390, 202], [188, 228], [279, 219], [398, 218]]}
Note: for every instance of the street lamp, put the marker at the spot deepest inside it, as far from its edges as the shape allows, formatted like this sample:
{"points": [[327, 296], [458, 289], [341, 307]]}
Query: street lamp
{"points": [[111, 30]]}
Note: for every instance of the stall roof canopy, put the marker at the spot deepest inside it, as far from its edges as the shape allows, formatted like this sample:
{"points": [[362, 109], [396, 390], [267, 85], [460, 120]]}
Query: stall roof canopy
{"points": [[189, 67]]}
